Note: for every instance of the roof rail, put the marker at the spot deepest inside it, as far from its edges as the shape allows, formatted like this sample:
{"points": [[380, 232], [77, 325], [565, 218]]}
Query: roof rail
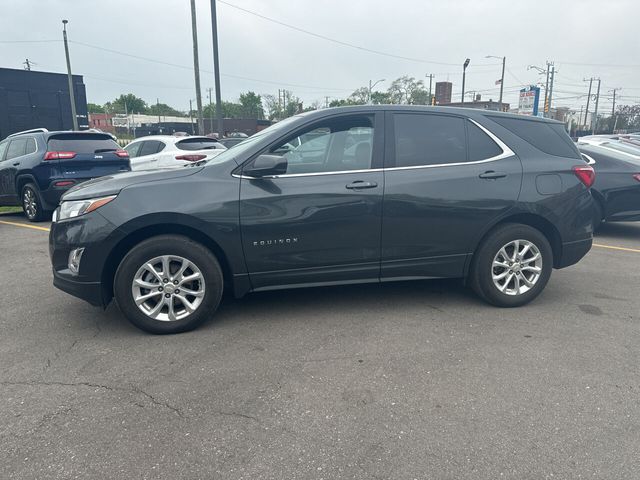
{"points": [[33, 130]]}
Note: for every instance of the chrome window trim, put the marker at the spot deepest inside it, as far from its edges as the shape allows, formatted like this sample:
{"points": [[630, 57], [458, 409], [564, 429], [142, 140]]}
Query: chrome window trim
{"points": [[506, 153]]}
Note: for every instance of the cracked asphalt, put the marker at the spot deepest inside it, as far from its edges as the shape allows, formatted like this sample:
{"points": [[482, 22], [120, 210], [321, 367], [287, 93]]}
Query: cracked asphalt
{"points": [[398, 381]]}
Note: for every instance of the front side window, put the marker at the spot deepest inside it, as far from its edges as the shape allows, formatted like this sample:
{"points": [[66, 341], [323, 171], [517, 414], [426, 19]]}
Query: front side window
{"points": [[422, 140], [336, 145], [16, 148]]}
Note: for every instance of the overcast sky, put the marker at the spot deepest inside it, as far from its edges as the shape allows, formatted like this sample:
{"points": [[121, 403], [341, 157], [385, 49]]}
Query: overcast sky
{"points": [[584, 37]]}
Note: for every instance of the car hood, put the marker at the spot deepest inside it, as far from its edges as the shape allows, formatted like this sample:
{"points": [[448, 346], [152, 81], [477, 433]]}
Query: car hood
{"points": [[112, 184]]}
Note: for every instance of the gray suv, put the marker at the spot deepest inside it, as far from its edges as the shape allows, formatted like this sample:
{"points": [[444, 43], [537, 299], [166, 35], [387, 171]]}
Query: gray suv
{"points": [[336, 196]]}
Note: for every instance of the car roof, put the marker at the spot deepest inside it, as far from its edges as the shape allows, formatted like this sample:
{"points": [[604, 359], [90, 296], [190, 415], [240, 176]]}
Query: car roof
{"points": [[468, 112]]}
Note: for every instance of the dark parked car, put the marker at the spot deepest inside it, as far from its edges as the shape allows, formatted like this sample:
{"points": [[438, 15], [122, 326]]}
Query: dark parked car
{"points": [[617, 187], [37, 166], [337, 196]]}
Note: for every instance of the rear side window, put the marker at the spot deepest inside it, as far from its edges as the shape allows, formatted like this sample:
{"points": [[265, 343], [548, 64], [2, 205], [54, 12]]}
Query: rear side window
{"points": [[150, 147], [31, 146], [429, 140], [3, 148], [481, 147], [133, 149], [16, 148], [82, 143], [547, 137], [198, 144]]}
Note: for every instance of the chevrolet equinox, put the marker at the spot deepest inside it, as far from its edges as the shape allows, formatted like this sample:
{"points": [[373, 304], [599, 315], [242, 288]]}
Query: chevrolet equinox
{"points": [[335, 196]]}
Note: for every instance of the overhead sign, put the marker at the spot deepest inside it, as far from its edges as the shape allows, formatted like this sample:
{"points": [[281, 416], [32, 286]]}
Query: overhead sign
{"points": [[529, 98]]}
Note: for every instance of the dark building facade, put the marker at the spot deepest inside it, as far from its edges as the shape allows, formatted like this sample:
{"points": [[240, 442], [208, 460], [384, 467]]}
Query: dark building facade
{"points": [[443, 92], [30, 99]]}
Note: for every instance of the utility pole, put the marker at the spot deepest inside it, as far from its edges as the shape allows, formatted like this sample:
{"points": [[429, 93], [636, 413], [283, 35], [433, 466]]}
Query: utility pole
{"points": [[613, 108], [464, 75], [326, 102], [210, 111], [196, 66], [545, 109], [126, 114], [27, 64], [72, 97], [158, 108], [216, 67], [553, 74], [595, 128], [504, 62], [430, 84], [191, 115], [586, 112]]}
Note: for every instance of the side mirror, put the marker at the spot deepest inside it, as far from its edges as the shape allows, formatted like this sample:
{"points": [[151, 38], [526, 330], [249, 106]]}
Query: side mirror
{"points": [[267, 165]]}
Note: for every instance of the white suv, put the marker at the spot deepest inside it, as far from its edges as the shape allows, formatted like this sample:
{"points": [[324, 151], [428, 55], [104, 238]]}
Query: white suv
{"points": [[168, 151]]}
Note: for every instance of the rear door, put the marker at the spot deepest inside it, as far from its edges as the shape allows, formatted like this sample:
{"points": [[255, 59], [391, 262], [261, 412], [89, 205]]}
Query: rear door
{"points": [[446, 179], [148, 158], [7, 193], [87, 155], [15, 158]]}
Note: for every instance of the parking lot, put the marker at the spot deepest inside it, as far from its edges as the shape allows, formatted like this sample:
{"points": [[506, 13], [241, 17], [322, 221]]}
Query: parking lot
{"points": [[405, 380]]}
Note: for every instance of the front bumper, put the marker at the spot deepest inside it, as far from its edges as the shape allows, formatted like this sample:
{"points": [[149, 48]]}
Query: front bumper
{"points": [[89, 291]]}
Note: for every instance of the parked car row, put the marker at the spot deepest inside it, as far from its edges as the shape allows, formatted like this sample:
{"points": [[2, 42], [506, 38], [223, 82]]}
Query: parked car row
{"points": [[616, 161]]}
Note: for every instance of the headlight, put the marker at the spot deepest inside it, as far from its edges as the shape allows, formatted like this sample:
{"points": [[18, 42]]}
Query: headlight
{"points": [[80, 207]]}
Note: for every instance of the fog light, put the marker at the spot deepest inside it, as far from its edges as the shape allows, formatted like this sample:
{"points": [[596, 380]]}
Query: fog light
{"points": [[74, 260]]}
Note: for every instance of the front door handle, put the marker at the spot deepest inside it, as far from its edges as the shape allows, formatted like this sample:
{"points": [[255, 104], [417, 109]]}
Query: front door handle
{"points": [[492, 175], [359, 184], [16, 164]]}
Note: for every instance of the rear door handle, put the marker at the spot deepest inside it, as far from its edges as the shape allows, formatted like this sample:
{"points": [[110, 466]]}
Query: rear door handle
{"points": [[359, 184], [492, 175]]}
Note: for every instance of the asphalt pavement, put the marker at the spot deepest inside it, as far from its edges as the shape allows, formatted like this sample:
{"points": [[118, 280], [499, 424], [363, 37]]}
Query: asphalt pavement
{"points": [[417, 380]]}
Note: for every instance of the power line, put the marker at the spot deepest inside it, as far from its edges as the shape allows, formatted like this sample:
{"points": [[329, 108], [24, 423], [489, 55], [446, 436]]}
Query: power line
{"points": [[333, 40]]}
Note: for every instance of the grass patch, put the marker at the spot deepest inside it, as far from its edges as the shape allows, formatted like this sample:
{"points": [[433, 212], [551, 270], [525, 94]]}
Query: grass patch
{"points": [[10, 209]]}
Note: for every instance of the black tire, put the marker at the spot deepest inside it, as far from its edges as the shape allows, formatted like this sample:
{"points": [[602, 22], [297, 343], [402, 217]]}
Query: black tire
{"points": [[598, 214], [32, 203], [482, 268], [173, 245]]}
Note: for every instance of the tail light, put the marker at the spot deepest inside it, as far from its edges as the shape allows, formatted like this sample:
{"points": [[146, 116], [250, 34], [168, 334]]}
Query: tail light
{"points": [[586, 174], [191, 158], [636, 177], [59, 155], [64, 183], [122, 153]]}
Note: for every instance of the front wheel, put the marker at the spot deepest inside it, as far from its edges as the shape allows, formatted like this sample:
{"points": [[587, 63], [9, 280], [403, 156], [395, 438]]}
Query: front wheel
{"points": [[168, 284], [512, 265]]}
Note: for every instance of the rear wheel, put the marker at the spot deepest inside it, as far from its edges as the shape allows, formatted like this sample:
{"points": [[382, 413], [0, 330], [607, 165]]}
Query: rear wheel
{"points": [[168, 284], [32, 203], [512, 265]]}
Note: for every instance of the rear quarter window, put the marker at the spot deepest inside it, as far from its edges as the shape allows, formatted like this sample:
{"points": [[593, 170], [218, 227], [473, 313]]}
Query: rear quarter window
{"points": [[81, 143], [550, 138]]}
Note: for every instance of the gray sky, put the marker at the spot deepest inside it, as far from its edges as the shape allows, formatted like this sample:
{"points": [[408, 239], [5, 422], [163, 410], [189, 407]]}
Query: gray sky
{"points": [[584, 37]]}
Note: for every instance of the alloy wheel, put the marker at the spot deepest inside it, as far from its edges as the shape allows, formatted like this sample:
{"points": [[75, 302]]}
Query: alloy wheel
{"points": [[516, 268], [30, 203], [168, 288]]}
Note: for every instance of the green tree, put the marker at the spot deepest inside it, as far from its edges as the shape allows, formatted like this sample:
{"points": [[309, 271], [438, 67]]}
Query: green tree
{"points": [[251, 105], [380, 98], [95, 108], [282, 107], [132, 103], [163, 109], [405, 89]]}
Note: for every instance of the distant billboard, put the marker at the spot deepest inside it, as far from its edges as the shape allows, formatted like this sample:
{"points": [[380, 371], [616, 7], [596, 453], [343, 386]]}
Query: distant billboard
{"points": [[529, 98]]}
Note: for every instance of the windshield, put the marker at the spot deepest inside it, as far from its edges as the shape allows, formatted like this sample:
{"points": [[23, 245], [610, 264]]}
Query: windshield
{"points": [[623, 147]]}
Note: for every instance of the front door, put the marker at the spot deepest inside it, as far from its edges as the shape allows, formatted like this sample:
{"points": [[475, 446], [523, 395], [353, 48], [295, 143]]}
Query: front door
{"points": [[446, 179], [319, 222]]}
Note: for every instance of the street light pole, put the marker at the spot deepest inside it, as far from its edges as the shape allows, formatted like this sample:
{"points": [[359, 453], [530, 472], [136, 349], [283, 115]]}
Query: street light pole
{"points": [[72, 97], [371, 88], [216, 68], [430, 84], [464, 75], [196, 67]]}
